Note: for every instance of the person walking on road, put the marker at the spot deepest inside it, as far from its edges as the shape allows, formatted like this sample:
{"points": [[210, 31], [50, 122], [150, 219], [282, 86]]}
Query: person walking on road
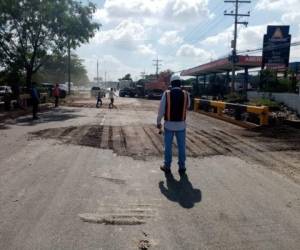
{"points": [[111, 96], [99, 100], [35, 101], [56, 94], [173, 107]]}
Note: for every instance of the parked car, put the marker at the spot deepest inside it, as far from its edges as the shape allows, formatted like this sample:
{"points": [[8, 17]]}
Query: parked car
{"points": [[127, 92], [4, 90], [63, 89]]}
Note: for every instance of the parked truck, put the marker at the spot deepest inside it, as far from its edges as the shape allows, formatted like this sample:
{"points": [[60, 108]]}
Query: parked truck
{"points": [[155, 89]]}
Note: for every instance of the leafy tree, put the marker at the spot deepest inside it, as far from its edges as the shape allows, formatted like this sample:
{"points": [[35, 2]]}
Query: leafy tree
{"points": [[268, 80], [165, 76], [31, 30], [55, 70], [127, 77]]}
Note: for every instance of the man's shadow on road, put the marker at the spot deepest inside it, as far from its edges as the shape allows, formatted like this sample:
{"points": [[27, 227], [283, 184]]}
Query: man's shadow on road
{"points": [[181, 191]]}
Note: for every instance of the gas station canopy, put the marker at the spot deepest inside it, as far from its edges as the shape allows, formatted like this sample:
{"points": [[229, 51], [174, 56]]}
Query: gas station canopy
{"points": [[224, 65]]}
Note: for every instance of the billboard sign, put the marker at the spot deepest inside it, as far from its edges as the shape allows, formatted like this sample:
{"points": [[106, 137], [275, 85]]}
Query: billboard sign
{"points": [[276, 48]]}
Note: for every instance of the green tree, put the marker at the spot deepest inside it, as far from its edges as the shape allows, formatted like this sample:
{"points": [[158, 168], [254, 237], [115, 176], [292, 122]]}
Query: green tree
{"points": [[55, 70], [31, 30], [127, 77], [268, 80], [165, 76]]}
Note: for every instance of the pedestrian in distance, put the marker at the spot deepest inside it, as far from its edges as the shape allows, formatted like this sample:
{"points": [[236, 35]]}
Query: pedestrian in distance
{"points": [[173, 107], [99, 100], [35, 97], [111, 96], [56, 94]]}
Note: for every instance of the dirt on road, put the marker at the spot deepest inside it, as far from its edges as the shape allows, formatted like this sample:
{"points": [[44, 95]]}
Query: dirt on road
{"points": [[125, 131]]}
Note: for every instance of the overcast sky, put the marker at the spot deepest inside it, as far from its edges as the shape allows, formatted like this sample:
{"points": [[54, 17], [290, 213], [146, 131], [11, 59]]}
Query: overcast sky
{"points": [[182, 33]]}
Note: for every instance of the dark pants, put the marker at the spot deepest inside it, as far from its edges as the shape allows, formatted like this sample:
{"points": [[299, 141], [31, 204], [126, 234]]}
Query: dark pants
{"points": [[99, 101], [7, 104], [56, 101], [111, 105], [35, 107]]}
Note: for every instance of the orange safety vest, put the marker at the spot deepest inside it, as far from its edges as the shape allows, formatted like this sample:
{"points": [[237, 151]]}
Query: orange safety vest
{"points": [[176, 105]]}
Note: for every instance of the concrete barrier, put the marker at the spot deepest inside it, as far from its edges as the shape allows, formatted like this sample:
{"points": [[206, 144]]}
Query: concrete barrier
{"points": [[206, 105], [290, 100]]}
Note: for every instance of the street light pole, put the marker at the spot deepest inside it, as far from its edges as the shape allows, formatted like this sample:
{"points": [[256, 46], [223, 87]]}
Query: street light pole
{"points": [[69, 67], [97, 73]]}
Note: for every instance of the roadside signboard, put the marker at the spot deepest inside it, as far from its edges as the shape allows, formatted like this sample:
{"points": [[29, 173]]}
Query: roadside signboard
{"points": [[276, 48]]}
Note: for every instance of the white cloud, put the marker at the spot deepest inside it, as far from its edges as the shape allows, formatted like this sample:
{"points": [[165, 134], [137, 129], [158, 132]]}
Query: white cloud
{"points": [[101, 15], [191, 51], [127, 35], [186, 11], [291, 17], [146, 50], [113, 67], [221, 38], [251, 37], [281, 5], [176, 11], [170, 38], [248, 38], [125, 8]]}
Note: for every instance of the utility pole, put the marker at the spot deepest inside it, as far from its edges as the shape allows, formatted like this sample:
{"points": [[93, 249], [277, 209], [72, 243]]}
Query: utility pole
{"points": [[97, 73], [157, 64], [69, 66], [236, 15], [143, 74]]}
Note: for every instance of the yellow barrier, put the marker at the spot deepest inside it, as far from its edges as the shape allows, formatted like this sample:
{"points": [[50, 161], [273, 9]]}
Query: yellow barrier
{"points": [[262, 112]]}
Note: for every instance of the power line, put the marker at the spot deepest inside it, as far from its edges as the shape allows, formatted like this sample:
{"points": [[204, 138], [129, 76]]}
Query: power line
{"points": [[216, 8], [205, 28], [269, 48]]}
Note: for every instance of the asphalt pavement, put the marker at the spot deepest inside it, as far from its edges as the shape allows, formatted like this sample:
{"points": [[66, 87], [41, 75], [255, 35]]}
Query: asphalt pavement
{"points": [[60, 190]]}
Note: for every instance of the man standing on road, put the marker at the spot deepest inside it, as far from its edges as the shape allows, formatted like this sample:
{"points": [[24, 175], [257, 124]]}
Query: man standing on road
{"points": [[111, 96], [173, 106], [35, 101], [56, 94]]}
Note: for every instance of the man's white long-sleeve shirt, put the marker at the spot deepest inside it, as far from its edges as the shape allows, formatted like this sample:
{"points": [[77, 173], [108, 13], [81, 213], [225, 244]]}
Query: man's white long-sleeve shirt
{"points": [[170, 125]]}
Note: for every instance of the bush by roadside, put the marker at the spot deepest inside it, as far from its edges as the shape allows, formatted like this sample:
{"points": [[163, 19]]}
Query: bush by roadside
{"points": [[273, 105]]}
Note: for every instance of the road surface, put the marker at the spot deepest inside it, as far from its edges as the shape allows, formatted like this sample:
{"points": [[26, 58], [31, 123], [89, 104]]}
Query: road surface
{"points": [[87, 178]]}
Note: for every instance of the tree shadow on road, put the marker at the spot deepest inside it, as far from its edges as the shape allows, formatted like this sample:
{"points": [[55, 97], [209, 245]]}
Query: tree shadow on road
{"points": [[181, 191], [52, 116]]}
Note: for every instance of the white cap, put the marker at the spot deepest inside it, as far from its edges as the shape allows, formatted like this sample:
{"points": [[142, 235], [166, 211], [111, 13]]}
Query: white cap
{"points": [[175, 78]]}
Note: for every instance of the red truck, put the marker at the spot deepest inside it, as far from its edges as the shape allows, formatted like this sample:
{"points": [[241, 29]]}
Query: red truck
{"points": [[155, 88]]}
